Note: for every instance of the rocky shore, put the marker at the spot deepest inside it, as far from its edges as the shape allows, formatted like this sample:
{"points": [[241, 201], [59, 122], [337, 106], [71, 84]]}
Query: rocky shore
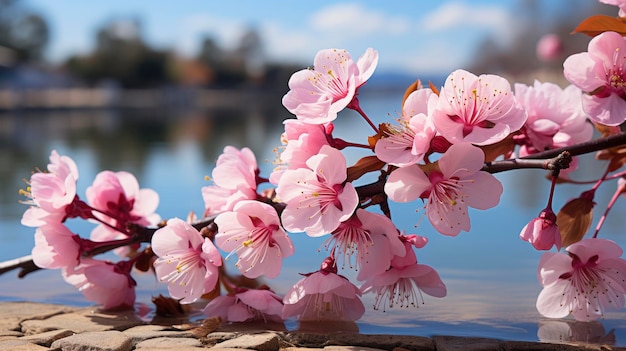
{"points": [[28, 326]]}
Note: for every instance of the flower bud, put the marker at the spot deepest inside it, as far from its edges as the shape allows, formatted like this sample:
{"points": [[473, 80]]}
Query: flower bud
{"points": [[542, 232]]}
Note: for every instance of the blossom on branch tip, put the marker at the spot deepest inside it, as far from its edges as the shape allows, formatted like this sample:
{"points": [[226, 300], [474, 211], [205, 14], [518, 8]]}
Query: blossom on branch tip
{"points": [[410, 141], [103, 282], [300, 141], [235, 179], [56, 247], [542, 231], [453, 184], [186, 261], [317, 95], [246, 305], [555, 117], [371, 238], [253, 231], [323, 295], [600, 73], [52, 194], [587, 281], [316, 198], [118, 202], [403, 283], [477, 109]]}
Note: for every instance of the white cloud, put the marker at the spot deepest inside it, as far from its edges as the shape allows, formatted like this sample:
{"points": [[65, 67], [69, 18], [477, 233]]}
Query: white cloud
{"points": [[452, 15], [354, 20]]}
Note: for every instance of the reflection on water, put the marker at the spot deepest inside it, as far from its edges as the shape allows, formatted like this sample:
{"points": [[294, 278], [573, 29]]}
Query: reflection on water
{"points": [[490, 273]]}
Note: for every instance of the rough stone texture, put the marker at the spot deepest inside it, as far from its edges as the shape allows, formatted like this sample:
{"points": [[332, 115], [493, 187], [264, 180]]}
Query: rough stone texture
{"points": [[386, 342], [95, 341], [171, 343], [531, 346], [145, 332], [52, 327], [259, 342], [13, 313], [20, 345], [85, 320], [47, 338], [454, 343]]}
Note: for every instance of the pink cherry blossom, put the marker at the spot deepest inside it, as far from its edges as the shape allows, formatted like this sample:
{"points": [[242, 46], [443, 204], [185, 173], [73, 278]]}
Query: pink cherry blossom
{"points": [[253, 231], [601, 74], [586, 282], [542, 232], [477, 109], [324, 295], [120, 201], [55, 246], [186, 261], [457, 184], [103, 282], [405, 281], [619, 3], [301, 141], [317, 95], [52, 193], [372, 239], [246, 305], [410, 141], [118, 195], [235, 179], [549, 47], [555, 117], [316, 198]]}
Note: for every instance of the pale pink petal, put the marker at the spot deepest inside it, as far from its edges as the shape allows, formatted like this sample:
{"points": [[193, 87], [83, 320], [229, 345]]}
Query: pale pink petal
{"points": [[407, 184], [484, 192], [608, 110], [578, 69], [550, 302], [366, 65]]}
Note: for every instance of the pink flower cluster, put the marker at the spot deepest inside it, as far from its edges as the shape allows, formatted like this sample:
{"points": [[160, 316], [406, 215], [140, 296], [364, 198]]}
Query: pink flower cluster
{"points": [[436, 152], [114, 200]]}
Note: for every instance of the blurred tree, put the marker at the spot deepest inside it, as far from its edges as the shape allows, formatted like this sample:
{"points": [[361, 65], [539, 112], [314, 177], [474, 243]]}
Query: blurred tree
{"points": [[518, 56], [122, 55], [23, 33]]}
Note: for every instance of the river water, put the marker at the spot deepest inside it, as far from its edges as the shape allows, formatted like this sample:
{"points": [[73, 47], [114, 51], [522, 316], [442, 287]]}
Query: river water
{"points": [[489, 272]]}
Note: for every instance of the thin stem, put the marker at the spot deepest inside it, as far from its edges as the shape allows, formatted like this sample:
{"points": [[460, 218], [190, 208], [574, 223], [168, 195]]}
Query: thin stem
{"points": [[354, 104], [554, 179], [618, 192]]}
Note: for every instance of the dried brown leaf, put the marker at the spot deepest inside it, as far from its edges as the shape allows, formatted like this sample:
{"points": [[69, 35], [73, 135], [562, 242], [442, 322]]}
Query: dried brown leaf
{"points": [[574, 219], [364, 165], [209, 325], [411, 88], [597, 24], [167, 306]]}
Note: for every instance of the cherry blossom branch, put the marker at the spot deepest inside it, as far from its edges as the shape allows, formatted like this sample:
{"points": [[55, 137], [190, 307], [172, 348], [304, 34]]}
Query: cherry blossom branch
{"points": [[140, 235], [583, 148], [561, 161]]}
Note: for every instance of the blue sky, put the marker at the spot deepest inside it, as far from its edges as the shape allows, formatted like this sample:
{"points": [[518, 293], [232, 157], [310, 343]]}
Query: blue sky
{"points": [[411, 36]]}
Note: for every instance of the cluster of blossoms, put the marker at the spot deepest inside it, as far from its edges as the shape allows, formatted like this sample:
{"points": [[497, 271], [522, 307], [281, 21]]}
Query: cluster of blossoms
{"points": [[443, 150]]}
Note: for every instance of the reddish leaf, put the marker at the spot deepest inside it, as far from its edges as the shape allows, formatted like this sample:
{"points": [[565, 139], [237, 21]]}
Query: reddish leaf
{"points": [[597, 24], [574, 219], [411, 88], [433, 88], [364, 165]]}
